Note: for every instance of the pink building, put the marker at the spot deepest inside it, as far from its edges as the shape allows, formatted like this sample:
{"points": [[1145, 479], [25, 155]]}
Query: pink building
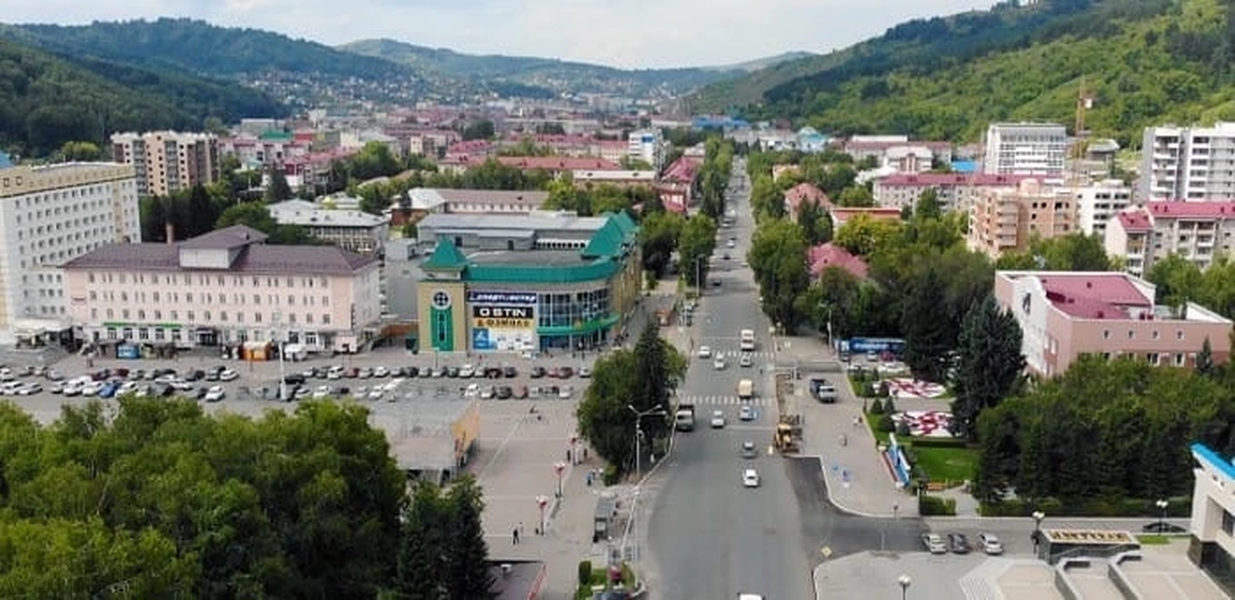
{"points": [[677, 184], [804, 192], [956, 191], [224, 288], [1064, 315], [830, 255]]}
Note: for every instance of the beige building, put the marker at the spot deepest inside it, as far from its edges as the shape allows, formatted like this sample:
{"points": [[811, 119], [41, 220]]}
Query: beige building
{"points": [[168, 161], [1198, 231], [1006, 219], [224, 288], [50, 215]]}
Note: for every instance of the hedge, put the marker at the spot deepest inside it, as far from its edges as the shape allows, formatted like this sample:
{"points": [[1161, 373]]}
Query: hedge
{"points": [[929, 506], [1180, 507]]}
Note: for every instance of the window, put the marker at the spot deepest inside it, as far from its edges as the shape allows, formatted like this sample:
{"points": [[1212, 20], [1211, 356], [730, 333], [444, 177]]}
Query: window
{"points": [[1106, 334], [1179, 334], [1132, 334], [1179, 359], [1228, 522], [1156, 334], [326, 319]]}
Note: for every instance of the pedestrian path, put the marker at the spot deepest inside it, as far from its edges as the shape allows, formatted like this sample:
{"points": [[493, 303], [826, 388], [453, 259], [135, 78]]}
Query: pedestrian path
{"points": [[725, 400], [734, 352]]}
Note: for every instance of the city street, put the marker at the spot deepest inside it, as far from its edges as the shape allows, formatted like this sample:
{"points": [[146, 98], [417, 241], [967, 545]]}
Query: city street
{"points": [[710, 537]]}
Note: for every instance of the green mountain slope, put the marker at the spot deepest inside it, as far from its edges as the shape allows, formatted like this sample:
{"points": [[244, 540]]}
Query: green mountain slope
{"points": [[557, 76], [46, 100], [1144, 61]]}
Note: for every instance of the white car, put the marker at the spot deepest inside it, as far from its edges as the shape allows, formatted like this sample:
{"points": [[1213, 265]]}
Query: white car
{"points": [[215, 394], [746, 360], [91, 389], [30, 389], [934, 543], [730, 244], [705, 352], [750, 478], [566, 392], [180, 384], [322, 391], [473, 390], [335, 372], [746, 413], [467, 371], [488, 393], [381, 372], [718, 419], [228, 375], [990, 543], [719, 363], [376, 393]]}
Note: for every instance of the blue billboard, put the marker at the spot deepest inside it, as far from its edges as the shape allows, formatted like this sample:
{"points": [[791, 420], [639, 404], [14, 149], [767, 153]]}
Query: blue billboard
{"points": [[893, 345], [502, 298]]}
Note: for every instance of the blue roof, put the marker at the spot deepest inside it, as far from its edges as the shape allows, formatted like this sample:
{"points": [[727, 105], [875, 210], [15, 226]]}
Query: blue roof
{"points": [[4, 161], [1203, 453], [964, 166]]}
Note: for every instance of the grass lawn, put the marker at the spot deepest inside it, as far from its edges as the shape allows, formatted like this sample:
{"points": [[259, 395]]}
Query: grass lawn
{"points": [[945, 465], [1153, 540]]}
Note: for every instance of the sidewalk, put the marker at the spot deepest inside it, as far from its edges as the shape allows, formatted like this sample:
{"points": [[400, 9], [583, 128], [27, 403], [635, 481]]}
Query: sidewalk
{"points": [[858, 480]]}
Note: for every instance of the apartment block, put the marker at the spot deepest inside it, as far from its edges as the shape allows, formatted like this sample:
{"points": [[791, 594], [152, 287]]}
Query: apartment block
{"points": [[1008, 219], [50, 215], [955, 191], [648, 146], [1098, 203], [1188, 163], [225, 288], [1197, 231], [1026, 149], [1212, 547], [1064, 315], [168, 161]]}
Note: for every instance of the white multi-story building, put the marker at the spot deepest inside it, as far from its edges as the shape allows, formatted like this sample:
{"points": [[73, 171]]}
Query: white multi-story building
{"points": [[1188, 163], [50, 215], [1098, 203], [224, 288], [349, 229], [1197, 231], [1212, 547], [168, 161], [1026, 149], [648, 146]]}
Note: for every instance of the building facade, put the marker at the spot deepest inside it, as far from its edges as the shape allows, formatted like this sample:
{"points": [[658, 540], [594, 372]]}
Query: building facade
{"points": [[647, 146], [1008, 219], [1064, 315], [1197, 231], [542, 282], [353, 230], [48, 216], [1188, 163], [168, 161], [1098, 203], [1026, 149], [955, 191], [224, 288], [1213, 516]]}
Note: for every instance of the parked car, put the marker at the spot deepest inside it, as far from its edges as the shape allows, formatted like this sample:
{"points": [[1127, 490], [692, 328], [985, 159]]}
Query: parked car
{"points": [[958, 543], [510, 371], [990, 543], [381, 372], [585, 372], [467, 371], [1163, 527], [215, 393], [565, 372], [566, 392], [934, 543], [521, 392], [537, 372], [505, 392]]}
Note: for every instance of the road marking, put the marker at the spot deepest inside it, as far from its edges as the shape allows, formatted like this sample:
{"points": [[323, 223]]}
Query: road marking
{"points": [[826, 551], [751, 428], [501, 448]]}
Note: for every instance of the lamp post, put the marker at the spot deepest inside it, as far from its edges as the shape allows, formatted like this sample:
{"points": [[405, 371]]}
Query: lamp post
{"points": [[1162, 505], [541, 503], [639, 433], [559, 468], [278, 320], [1037, 529], [904, 582]]}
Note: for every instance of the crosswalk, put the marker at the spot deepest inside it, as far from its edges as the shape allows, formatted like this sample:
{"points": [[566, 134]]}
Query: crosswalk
{"points": [[734, 353], [724, 401]]}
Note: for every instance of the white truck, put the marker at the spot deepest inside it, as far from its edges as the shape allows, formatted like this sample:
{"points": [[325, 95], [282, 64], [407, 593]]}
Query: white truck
{"points": [[684, 417], [746, 340], [746, 389]]}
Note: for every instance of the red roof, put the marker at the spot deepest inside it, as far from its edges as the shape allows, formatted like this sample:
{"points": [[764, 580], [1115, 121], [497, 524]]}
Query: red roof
{"points": [[829, 255], [469, 147], [1135, 221], [884, 145], [804, 192], [953, 179], [1209, 209], [842, 214], [684, 169], [560, 163], [1093, 295]]}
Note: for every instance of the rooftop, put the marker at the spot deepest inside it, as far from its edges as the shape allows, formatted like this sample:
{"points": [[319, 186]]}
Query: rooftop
{"points": [[225, 239], [537, 221], [830, 255], [1210, 209], [957, 179], [1203, 454], [305, 213], [1094, 295], [1135, 221], [547, 258], [804, 192]]}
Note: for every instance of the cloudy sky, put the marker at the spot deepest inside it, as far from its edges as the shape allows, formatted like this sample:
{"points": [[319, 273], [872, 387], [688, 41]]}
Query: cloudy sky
{"points": [[625, 33]]}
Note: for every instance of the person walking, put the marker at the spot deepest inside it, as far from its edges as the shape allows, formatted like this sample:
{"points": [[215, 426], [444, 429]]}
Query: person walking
{"points": [[514, 536]]}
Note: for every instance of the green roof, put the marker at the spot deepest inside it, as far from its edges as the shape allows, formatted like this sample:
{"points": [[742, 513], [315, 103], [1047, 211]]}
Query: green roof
{"points": [[445, 258], [611, 239], [275, 134]]}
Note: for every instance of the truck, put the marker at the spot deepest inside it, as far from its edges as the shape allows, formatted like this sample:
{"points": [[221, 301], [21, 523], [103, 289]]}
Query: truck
{"points": [[823, 390], [746, 340], [684, 417], [746, 389]]}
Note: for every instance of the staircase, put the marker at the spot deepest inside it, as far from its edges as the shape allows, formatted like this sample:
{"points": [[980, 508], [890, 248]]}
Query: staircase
{"points": [[980, 583]]}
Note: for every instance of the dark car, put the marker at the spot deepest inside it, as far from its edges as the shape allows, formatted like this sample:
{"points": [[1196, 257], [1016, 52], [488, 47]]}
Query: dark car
{"points": [[1163, 527], [537, 372], [510, 371], [957, 543], [294, 379], [493, 372], [195, 375], [565, 372], [505, 393]]}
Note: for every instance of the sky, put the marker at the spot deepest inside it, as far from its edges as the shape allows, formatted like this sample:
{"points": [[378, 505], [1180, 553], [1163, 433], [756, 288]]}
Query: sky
{"points": [[620, 33]]}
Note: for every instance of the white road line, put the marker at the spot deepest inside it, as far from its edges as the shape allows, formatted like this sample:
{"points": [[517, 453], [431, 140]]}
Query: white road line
{"points": [[501, 448]]}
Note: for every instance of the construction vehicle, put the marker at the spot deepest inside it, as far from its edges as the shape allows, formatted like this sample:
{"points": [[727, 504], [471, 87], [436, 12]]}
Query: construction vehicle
{"points": [[788, 436]]}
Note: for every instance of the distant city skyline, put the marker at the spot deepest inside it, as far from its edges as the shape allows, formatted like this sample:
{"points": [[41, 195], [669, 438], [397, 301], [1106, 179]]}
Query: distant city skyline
{"points": [[631, 34]]}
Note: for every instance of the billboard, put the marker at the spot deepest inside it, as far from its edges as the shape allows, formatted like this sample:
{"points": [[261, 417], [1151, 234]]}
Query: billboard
{"points": [[505, 298], [893, 345], [510, 328]]}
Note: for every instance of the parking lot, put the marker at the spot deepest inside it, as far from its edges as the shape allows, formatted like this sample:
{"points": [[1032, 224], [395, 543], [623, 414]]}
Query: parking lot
{"points": [[385, 375]]}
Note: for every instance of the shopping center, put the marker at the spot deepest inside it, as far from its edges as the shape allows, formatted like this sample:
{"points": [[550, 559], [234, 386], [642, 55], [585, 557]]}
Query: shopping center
{"points": [[516, 283]]}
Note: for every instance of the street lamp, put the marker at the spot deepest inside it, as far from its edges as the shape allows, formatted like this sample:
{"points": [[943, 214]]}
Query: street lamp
{"points": [[904, 582], [698, 272], [1037, 528], [559, 468], [1162, 504], [542, 502], [278, 321], [639, 433]]}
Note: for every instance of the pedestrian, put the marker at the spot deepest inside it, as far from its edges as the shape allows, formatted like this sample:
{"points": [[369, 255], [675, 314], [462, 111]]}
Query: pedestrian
{"points": [[589, 479], [568, 455], [584, 453], [857, 421], [514, 536]]}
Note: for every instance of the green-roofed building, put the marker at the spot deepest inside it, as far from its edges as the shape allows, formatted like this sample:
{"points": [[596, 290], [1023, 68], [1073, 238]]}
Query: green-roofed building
{"points": [[526, 282]]}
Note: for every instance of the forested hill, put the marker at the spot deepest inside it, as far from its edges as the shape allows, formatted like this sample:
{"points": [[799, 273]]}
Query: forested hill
{"points": [[1143, 61], [47, 99]]}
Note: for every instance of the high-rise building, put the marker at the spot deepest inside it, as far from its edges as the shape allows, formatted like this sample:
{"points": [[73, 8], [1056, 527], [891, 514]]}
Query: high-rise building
{"points": [[1188, 163], [49, 216], [168, 161], [1026, 149], [648, 146]]}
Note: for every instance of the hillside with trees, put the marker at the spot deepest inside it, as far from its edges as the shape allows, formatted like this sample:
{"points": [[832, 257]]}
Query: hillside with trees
{"points": [[47, 100], [1143, 61]]}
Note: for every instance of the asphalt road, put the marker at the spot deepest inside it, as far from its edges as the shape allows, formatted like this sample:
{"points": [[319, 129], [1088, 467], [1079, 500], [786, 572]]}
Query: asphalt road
{"points": [[710, 537]]}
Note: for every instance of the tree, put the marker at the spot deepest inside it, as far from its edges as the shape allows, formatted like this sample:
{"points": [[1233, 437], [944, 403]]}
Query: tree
{"points": [[423, 544], [1176, 278], [251, 214], [277, 189], [1205, 359], [203, 210], [863, 236], [657, 377], [989, 363], [466, 574], [479, 130], [658, 236], [816, 223], [696, 242], [856, 195], [81, 151], [928, 341], [778, 258]]}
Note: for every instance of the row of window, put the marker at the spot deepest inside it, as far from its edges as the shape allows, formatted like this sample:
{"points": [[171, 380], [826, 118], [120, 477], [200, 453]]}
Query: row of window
{"points": [[68, 194], [222, 316], [1178, 359], [204, 279], [176, 334], [208, 298], [1155, 334]]}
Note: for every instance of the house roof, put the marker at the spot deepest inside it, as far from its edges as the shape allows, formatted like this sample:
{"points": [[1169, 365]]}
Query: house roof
{"points": [[1210, 209], [804, 192], [1097, 295], [1135, 221], [445, 257], [684, 169], [830, 255], [226, 238], [256, 258]]}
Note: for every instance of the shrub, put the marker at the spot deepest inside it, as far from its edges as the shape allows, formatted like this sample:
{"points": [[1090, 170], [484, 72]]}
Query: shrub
{"points": [[885, 391], [628, 576], [885, 424], [585, 572], [876, 407], [939, 443], [889, 406], [611, 475], [935, 506], [902, 428]]}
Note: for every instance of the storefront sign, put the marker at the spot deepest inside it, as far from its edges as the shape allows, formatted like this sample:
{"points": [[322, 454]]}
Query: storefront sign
{"points": [[504, 316], [486, 297], [511, 328]]}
